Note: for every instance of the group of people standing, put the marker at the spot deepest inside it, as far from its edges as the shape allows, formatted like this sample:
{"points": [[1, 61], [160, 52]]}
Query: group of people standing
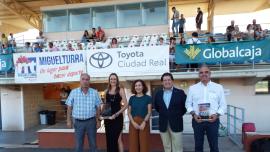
{"points": [[178, 22], [205, 102]]}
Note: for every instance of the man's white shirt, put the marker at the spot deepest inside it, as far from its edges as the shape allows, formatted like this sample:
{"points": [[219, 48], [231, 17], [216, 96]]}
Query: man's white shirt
{"points": [[212, 93]]}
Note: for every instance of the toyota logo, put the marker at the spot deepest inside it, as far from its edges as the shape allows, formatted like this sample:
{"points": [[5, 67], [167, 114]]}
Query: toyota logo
{"points": [[100, 60]]}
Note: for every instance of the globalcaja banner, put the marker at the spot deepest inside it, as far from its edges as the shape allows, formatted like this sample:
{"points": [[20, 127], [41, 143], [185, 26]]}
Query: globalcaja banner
{"points": [[135, 61], [239, 52], [5, 62], [49, 67]]}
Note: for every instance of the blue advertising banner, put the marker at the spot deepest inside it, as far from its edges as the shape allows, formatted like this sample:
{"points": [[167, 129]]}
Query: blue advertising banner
{"points": [[239, 52], [6, 62]]}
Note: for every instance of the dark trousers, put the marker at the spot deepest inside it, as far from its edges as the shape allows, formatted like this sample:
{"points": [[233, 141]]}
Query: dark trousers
{"points": [[85, 127], [211, 131]]}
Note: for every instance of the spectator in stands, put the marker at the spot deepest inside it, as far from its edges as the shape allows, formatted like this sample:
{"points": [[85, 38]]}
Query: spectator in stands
{"points": [[6, 49], [194, 39], [69, 47], [175, 23], [93, 35], [114, 43], [52, 48], [229, 31], [182, 22], [237, 35], [41, 39], [100, 34], [161, 41], [27, 47], [211, 39], [172, 52], [11, 39], [182, 41], [12, 42], [256, 26], [79, 46], [249, 35], [199, 19], [4, 39], [139, 112], [206, 103], [85, 37], [37, 48]]}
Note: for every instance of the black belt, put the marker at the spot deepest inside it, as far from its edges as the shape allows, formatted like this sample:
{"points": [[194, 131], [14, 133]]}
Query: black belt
{"points": [[85, 119]]}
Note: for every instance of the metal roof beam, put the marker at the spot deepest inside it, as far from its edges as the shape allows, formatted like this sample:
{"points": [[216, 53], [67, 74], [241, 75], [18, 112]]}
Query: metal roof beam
{"points": [[22, 11]]}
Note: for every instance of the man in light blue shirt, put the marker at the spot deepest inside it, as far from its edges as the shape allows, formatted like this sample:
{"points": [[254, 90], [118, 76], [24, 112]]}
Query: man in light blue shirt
{"points": [[84, 105], [206, 102]]}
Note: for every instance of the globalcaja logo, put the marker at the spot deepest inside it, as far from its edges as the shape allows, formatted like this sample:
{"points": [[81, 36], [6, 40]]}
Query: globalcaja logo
{"points": [[192, 52], [26, 66], [100, 60]]}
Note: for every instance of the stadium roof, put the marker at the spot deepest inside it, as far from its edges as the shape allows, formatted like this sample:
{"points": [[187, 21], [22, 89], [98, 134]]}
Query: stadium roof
{"points": [[20, 15]]}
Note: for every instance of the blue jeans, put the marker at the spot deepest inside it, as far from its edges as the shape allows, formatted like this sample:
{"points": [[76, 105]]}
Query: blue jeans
{"points": [[88, 127], [175, 25], [211, 131]]}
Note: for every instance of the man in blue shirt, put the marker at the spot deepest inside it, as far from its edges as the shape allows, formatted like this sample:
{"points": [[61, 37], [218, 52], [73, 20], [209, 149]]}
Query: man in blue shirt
{"points": [[84, 105]]}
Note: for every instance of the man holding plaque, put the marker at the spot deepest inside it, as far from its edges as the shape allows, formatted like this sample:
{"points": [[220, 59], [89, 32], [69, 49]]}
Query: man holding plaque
{"points": [[206, 102]]}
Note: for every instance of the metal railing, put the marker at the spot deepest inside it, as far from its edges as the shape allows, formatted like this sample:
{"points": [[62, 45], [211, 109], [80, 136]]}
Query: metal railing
{"points": [[235, 119]]}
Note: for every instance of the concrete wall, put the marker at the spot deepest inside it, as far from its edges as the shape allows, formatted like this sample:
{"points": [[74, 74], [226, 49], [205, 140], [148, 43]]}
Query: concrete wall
{"points": [[256, 106]]}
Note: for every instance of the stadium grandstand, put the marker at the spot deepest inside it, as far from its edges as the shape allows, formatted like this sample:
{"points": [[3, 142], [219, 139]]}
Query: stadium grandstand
{"points": [[136, 40]]}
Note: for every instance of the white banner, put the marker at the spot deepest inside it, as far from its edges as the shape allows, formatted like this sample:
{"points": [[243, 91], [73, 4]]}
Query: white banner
{"points": [[49, 66], [136, 61]]}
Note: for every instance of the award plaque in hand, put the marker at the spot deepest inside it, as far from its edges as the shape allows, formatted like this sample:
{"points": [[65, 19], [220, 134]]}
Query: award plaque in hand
{"points": [[106, 111]]}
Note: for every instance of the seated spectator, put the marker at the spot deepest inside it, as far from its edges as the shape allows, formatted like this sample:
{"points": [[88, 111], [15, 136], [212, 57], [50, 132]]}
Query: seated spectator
{"points": [[237, 35], [37, 48], [172, 52], [114, 43], [229, 31], [161, 41], [182, 22], [41, 39], [52, 48], [85, 37], [182, 41], [211, 39], [100, 34], [79, 46], [93, 35], [27, 47], [6, 49], [4, 39], [69, 47], [172, 45], [194, 39], [249, 35]]}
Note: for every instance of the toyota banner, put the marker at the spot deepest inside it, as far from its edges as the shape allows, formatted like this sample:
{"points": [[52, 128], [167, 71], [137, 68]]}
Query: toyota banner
{"points": [[135, 61]]}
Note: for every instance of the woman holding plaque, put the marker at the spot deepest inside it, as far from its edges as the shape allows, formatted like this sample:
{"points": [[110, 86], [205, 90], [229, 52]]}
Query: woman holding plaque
{"points": [[139, 112], [116, 97]]}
